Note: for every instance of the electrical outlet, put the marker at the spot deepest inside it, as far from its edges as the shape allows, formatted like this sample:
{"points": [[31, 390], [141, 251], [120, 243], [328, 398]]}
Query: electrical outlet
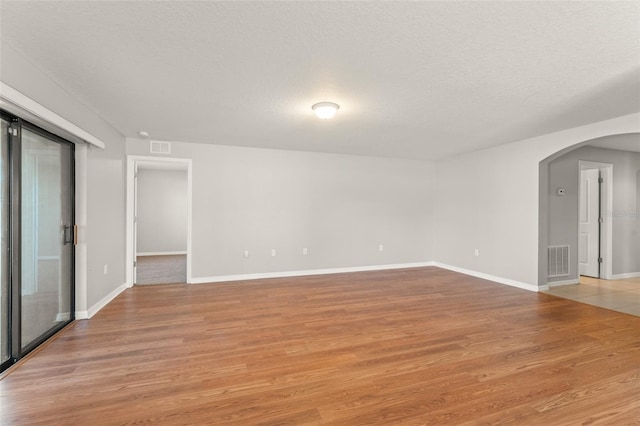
{"points": [[305, 251], [106, 269], [476, 252], [245, 253], [273, 252], [380, 247]]}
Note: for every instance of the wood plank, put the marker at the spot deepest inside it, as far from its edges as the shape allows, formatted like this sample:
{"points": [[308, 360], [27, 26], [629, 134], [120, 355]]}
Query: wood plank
{"points": [[413, 346]]}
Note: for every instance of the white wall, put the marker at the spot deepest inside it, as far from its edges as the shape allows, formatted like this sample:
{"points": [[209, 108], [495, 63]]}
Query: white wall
{"points": [[563, 211], [339, 207], [162, 211], [485, 200], [105, 175], [491, 200]]}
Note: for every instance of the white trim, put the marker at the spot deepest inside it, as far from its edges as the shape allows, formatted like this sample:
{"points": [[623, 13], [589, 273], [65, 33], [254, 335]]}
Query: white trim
{"points": [[130, 247], [552, 284], [625, 276], [132, 160], [161, 253], [494, 278], [189, 217], [81, 271], [81, 315], [20, 104], [286, 274], [101, 303]]}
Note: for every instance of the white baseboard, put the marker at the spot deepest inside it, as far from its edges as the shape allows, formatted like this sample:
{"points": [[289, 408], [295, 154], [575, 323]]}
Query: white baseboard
{"points": [[500, 280], [101, 303], [285, 274], [551, 284], [625, 276], [81, 315]]}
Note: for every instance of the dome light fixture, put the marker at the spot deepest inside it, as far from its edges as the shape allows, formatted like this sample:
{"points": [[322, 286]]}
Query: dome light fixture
{"points": [[325, 110]]}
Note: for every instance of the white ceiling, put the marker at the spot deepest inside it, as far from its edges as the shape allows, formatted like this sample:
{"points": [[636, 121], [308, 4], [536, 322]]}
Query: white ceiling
{"points": [[413, 79]]}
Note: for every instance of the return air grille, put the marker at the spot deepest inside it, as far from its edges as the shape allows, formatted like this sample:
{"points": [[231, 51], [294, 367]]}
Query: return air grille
{"points": [[558, 261], [158, 147]]}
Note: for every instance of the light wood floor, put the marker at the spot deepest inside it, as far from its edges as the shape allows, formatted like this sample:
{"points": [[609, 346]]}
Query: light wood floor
{"points": [[164, 269], [403, 347]]}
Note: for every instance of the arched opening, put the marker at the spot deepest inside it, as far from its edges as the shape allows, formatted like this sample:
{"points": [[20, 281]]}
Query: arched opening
{"points": [[589, 225]]}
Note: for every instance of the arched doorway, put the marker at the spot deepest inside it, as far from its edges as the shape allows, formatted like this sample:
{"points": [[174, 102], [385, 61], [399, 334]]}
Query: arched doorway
{"points": [[591, 227]]}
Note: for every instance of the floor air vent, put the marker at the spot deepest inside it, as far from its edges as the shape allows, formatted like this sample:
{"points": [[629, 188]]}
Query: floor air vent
{"points": [[158, 147], [558, 261]]}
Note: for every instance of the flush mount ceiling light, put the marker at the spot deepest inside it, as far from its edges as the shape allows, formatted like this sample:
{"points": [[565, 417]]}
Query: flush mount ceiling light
{"points": [[143, 134], [325, 110]]}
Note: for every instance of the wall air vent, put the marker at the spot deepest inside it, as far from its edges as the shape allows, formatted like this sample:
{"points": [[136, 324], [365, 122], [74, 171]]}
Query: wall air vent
{"points": [[158, 147], [558, 261]]}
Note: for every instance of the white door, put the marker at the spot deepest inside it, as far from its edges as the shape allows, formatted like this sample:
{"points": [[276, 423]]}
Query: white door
{"points": [[588, 233]]}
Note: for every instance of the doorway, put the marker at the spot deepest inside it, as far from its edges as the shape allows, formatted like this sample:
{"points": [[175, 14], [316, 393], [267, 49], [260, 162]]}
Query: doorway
{"points": [[38, 237], [159, 220], [594, 231]]}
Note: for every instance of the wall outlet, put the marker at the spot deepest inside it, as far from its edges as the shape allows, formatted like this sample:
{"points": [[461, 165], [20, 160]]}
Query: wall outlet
{"points": [[105, 269], [305, 251], [245, 253], [273, 252], [380, 247], [476, 252]]}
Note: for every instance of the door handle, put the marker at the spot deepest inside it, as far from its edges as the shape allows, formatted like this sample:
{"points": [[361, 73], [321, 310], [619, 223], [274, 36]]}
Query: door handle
{"points": [[68, 235]]}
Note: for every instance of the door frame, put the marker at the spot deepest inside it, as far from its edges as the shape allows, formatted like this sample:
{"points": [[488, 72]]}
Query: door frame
{"points": [[132, 165], [606, 207], [17, 350]]}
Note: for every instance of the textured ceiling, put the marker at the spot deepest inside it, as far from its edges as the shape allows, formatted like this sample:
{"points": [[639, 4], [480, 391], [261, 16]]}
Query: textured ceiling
{"points": [[413, 79]]}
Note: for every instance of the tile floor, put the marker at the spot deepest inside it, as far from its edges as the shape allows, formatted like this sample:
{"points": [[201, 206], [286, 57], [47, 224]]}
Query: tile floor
{"points": [[617, 295]]}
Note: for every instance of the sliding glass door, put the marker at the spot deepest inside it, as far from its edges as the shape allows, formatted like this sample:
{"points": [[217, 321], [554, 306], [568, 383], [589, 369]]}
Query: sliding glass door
{"points": [[37, 237], [5, 353]]}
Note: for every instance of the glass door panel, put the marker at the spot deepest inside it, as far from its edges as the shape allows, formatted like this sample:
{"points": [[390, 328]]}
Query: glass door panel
{"points": [[47, 236], [36, 236], [5, 353]]}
